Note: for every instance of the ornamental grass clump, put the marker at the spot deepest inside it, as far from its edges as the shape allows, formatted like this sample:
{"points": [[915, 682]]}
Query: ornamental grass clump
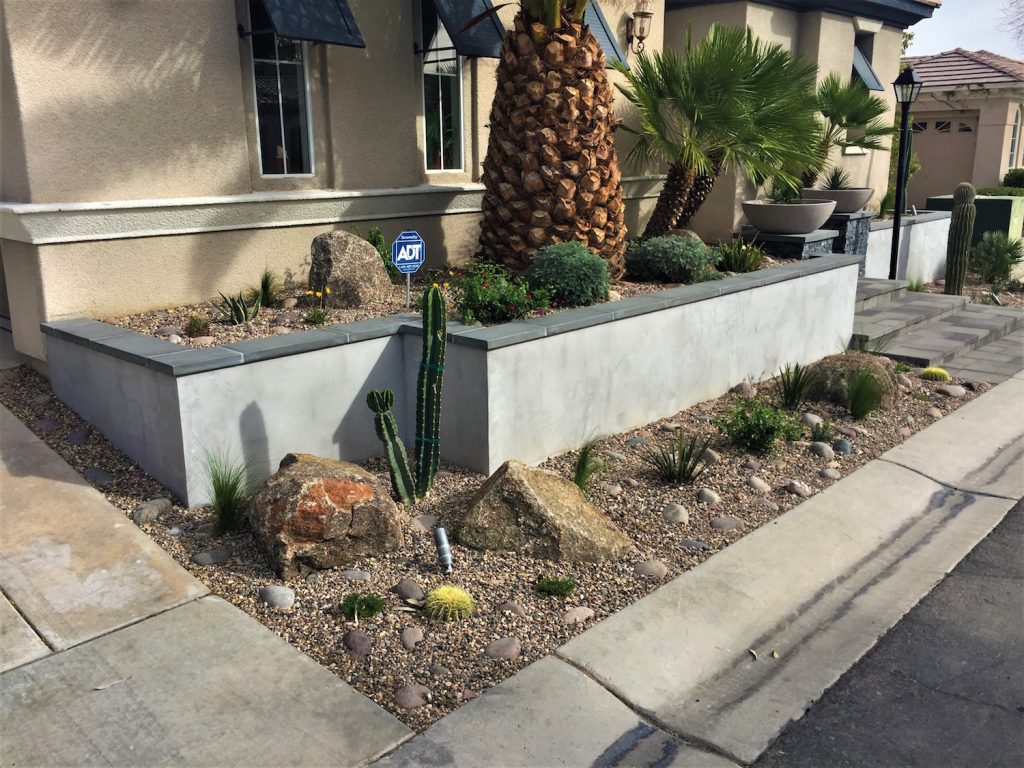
{"points": [[754, 425], [358, 605], [587, 465], [739, 256], [196, 326], [864, 393], [680, 461], [794, 386], [935, 374], [449, 603], [555, 587], [823, 432], [230, 490], [573, 275]]}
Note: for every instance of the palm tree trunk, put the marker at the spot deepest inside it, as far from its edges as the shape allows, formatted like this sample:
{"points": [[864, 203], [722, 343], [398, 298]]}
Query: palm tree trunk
{"points": [[699, 192], [671, 201]]}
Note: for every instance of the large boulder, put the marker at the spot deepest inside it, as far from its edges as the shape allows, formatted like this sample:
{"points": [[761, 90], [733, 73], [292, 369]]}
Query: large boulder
{"points": [[538, 513], [321, 513], [351, 267], [832, 374]]}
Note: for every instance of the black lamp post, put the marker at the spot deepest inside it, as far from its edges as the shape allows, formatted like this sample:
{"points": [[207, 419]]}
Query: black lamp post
{"points": [[907, 87]]}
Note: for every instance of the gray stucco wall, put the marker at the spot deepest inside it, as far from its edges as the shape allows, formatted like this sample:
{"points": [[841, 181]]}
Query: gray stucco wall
{"points": [[922, 253]]}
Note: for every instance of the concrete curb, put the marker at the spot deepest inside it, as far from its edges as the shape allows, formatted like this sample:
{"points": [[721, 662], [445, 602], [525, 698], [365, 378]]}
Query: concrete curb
{"points": [[818, 587]]}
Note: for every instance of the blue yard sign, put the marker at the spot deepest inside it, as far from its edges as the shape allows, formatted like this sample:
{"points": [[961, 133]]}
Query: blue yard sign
{"points": [[408, 252]]}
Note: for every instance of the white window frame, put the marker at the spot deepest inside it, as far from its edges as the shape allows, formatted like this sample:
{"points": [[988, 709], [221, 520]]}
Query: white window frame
{"points": [[256, 111], [423, 105], [1015, 139]]}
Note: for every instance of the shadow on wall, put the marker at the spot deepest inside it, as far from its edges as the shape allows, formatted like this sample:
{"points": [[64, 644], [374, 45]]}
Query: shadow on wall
{"points": [[14, 184]]}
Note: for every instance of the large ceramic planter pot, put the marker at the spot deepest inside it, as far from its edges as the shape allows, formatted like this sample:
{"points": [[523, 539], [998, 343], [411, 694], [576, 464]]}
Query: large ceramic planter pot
{"points": [[847, 200], [798, 218]]}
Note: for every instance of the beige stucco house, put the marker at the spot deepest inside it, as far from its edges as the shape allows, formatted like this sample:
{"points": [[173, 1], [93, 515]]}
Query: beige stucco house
{"points": [[156, 153], [967, 121]]}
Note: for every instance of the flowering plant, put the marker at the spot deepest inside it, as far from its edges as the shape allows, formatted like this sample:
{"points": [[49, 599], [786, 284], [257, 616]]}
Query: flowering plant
{"points": [[487, 294]]}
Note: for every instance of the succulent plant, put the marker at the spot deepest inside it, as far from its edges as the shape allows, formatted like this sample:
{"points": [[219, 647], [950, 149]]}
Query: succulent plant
{"points": [[958, 246], [449, 603], [935, 374]]}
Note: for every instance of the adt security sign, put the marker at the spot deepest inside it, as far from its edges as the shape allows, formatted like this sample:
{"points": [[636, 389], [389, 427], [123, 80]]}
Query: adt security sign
{"points": [[408, 252]]}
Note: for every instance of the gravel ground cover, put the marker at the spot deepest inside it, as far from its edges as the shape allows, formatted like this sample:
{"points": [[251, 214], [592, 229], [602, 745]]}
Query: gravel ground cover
{"points": [[979, 292], [450, 662]]}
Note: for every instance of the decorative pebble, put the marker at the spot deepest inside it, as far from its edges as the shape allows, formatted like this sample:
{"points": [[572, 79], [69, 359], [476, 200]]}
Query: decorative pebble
{"points": [[578, 615], [355, 575], [175, 531], [823, 451], [694, 544], [904, 381], [971, 386], [614, 295], [280, 330], [423, 523], [79, 436], [174, 338], [654, 568], [906, 432], [669, 426], [842, 445], [752, 464], [467, 694], [410, 637], [358, 643], [935, 413], [831, 474], [952, 390], [744, 389], [148, 511], [290, 303], [313, 577], [407, 589], [512, 606], [711, 457], [97, 475], [909, 419], [412, 696], [708, 496], [726, 523], [632, 482], [167, 330], [615, 456], [505, 648], [439, 670], [217, 556], [848, 431], [811, 419], [675, 513], [633, 442], [47, 425], [798, 488], [613, 490], [761, 501], [758, 484], [277, 596], [203, 341]]}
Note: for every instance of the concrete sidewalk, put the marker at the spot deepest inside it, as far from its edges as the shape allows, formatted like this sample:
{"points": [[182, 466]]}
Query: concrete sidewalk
{"points": [[115, 655]]}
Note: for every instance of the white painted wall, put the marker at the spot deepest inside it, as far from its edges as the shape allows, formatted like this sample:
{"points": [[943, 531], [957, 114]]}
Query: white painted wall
{"points": [[922, 253]]}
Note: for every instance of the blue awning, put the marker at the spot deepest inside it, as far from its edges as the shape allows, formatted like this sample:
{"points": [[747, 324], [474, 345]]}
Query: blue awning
{"points": [[481, 40], [605, 35], [862, 69], [318, 21]]}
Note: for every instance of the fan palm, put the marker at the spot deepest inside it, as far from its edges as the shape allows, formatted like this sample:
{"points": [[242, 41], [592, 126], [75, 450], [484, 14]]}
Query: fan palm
{"points": [[551, 173], [733, 102]]}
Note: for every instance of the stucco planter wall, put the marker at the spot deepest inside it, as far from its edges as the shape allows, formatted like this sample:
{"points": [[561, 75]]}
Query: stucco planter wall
{"points": [[922, 253], [798, 218], [524, 390]]}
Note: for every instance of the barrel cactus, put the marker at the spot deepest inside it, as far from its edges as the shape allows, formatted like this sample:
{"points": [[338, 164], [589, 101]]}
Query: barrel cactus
{"points": [[958, 247]]}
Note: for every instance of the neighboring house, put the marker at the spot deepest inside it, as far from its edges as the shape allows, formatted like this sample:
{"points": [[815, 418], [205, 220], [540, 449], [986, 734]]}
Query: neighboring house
{"points": [[967, 121], [155, 153]]}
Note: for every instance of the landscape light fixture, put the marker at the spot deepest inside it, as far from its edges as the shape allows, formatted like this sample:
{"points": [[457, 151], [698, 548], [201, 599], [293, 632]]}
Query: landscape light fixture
{"points": [[638, 26], [907, 87]]}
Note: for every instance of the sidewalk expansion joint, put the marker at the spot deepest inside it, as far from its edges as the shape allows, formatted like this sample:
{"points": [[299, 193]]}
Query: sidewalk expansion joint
{"points": [[951, 486], [28, 621], [651, 717]]}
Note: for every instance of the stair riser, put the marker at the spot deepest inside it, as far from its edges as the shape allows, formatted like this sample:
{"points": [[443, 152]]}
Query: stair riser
{"points": [[859, 338], [940, 358], [880, 299]]}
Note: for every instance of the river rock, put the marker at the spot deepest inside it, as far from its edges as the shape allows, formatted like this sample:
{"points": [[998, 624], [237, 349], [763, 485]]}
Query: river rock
{"points": [[505, 648], [578, 615], [708, 496], [351, 267], [512, 606], [832, 374], [842, 445], [822, 451], [653, 568], [412, 696], [798, 488], [761, 501], [758, 484], [353, 574], [217, 556], [277, 596], [811, 419], [934, 413], [407, 589], [726, 523], [752, 464], [423, 523], [46, 425], [148, 511], [541, 515], [410, 637], [675, 513], [952, 390], [357, 643], [711, 457], [744, 389], [831, 474], [322, 513], [79, 436]]}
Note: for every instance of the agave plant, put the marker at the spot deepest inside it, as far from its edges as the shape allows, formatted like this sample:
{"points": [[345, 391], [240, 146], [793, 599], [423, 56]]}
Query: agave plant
{"points": [[551, 173], [238, 310], [731, 102]]}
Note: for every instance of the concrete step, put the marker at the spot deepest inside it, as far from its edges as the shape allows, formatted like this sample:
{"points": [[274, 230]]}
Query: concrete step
{"points": [[994, 363], [943, 340], [872, 293], [877, 327]]}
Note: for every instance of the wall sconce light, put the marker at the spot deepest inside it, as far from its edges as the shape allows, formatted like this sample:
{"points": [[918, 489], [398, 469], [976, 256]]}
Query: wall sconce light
{"points": [[638, 26]]}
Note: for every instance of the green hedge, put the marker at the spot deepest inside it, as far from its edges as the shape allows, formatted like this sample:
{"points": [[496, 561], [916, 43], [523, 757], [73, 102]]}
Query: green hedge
{"points": [[1002, 191]]}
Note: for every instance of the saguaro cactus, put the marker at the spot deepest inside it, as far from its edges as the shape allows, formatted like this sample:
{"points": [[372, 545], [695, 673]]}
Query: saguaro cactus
{"points": [[428, 391], [407, 485], [958, 246]]}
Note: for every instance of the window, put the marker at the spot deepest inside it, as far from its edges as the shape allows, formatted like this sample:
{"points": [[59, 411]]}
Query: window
{"points": [[442, 93], [862, 71], [1015, 139], [964, 128], [942, 126], [282, 104], [919, 127]]}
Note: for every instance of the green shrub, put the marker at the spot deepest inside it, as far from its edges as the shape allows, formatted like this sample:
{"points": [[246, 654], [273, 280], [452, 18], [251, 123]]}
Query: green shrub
{"points": [[197, 325], [837, 178], [268, 292], [230, 490], [555, 587], [1001, 191], [902, 367], [376, 239], [679, 461], [448, 603], [754, 425], [587, 465], [671, 260], [864, 393], [794, 386], [486, 293], [317, 316], [573, 275], [823, 432], [994, 258], [739, 256], [915, 286], [1014, 178], [360, 605]]}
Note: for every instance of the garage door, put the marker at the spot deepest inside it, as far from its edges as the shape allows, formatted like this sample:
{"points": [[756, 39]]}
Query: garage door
{"points": [[944, 143]]}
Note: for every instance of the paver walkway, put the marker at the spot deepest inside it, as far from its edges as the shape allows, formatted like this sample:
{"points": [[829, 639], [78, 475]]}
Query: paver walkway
{"points": [[995, 362]]}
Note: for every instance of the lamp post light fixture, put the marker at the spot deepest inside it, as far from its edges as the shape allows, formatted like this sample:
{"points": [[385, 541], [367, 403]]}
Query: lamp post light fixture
{"points": [[907, 87], [638, 26]]}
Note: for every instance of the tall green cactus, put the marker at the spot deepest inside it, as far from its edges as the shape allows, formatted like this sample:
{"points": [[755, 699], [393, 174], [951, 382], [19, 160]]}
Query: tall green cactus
{"points": [[380, 402], [428, 391], [958, 247], [407, 486]]}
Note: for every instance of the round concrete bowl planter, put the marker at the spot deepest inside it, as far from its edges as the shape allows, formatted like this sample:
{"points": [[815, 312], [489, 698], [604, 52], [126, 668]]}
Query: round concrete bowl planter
{"points": [[847, 200], [797, 218]]}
